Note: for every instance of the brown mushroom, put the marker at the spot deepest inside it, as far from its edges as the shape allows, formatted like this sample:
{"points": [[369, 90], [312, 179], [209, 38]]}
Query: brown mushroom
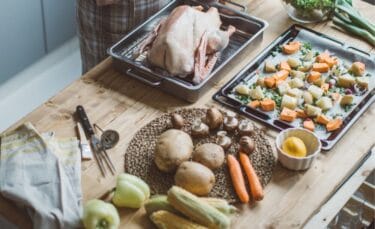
{"points": [[223, 140], [230, 122], [245, 128], [177, 121], [247, 145], [199, 129], [214, 118]]}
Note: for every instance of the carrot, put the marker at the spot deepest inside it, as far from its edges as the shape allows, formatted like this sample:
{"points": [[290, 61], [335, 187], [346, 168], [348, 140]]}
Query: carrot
{"points": [[255, 185], [335, 96], [322, 119], [326, 58], [325, 87], [320, 67], [237, 178], [281, 75], [291, 47], [284, 66], [301, 113], [267, 104], [254, 104], [309, 124], [270, 82], [334, 124], [313, 76], [288, 115]]}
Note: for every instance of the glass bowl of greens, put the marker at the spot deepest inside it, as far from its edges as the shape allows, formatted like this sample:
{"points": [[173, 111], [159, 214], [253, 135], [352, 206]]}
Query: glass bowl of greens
{"points": [[309, 11]]}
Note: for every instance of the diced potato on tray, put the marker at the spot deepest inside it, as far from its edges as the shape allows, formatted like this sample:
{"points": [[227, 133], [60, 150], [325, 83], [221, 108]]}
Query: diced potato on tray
{"points": [[298, 74], [315, 91], [269, 67], [362, 81], [293, 62], [324, 103], [296, 83], [346, 81], [307, 97], [312, 111], [305, 67], [289, 102], [346, 100], [295, 92], [260, 82], [283, 88], [358, 68], [242, 89], [256, 93], [309, 55]]}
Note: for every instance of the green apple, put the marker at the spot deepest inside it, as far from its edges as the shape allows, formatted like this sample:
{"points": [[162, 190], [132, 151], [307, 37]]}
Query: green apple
{"points": [[131, 191], [98, 214]]}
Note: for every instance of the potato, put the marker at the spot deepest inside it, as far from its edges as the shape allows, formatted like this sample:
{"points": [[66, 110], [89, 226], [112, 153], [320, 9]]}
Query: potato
{"points": [[308, 56], [172, 148], [324, 103], [362, 81], [260, 82], [242, 89], [305, 67], [195, 178], [358, 68], [312, 111], [210, 155], [298, 74], [293, 62], [296, 83], [269, 67], [315, 91], [345, 81], [295, 92], [256, 93], [289, 102], [283, 88], [307, 97], [346, 100]]}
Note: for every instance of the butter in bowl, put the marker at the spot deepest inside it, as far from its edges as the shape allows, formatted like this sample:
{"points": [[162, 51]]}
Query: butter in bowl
{"points": [[297, 148]]}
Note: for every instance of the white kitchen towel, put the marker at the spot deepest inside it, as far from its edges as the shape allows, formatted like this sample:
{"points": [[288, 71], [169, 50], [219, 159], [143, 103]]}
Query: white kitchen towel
{"points": [[42, 174]]}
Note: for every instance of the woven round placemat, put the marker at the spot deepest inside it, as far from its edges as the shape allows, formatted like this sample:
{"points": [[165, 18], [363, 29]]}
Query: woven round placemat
{"points": [[139, 156]]}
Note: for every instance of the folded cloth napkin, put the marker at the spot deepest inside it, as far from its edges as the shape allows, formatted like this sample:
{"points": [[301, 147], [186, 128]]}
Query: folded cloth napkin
{"points": [[42, 174]]}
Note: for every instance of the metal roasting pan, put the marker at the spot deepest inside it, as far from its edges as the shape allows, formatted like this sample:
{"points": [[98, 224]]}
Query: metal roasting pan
{"points": [[322, 41], [249, 32]]}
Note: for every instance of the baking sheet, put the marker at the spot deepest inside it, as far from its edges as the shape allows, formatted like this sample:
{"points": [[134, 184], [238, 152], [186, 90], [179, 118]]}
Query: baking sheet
{"points": [[320, 43]]}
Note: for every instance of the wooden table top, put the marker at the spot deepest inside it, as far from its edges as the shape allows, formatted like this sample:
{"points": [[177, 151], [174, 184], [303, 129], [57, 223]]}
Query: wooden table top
{"points": [[115, 101]]}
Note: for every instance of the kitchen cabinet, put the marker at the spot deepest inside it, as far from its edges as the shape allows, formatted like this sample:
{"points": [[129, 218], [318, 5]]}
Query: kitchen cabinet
{"points": [[29, 29], [59, 21], [21, 35]]}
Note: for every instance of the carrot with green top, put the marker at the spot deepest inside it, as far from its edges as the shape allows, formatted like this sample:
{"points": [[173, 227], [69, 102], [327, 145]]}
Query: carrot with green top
{"points": [[237, 178], [255, 185]]}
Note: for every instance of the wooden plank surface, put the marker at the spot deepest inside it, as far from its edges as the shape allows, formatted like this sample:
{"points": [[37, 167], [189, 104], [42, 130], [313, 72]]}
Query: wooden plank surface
{"points": [[118, 102]]}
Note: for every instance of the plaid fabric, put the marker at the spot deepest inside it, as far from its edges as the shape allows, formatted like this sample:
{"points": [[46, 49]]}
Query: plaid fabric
{"points": [[101, 23]]}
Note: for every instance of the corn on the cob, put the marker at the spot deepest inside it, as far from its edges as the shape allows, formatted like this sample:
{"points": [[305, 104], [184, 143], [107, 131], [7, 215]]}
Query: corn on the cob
{"points": [[220, 204], [159, 202], [166, 220], [196, 209]]}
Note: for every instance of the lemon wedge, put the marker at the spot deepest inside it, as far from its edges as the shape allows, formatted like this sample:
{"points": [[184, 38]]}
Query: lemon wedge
{"points": [[294, 146]]}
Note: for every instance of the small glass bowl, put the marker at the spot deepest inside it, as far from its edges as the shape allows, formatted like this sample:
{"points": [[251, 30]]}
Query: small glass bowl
{"points": [[322, 12]]}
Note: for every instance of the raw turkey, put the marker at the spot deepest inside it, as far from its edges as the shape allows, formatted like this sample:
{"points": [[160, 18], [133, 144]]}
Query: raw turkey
{"points": [[187, 41]]}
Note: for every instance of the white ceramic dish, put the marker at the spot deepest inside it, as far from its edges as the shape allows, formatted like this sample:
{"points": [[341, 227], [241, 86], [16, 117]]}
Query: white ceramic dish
{"points": [[311, 141]]}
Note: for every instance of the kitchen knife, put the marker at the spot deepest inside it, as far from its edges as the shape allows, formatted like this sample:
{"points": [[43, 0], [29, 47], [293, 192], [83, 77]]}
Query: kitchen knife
{"points": [[86, 153]]}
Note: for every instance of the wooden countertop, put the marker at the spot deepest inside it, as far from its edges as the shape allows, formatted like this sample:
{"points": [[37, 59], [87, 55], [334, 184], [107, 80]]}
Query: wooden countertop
{"points": [[115, 101]]}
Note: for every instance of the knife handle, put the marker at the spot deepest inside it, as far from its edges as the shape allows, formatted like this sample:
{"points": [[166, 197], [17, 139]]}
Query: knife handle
{"points": [[85, 121]]}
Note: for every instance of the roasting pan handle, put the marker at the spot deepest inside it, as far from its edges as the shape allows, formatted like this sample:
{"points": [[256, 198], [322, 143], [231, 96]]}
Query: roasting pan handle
{"points": [[142, 79]]}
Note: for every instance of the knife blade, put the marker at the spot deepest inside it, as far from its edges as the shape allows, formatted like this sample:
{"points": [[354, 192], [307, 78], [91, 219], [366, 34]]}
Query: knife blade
{"points": [[86, 153]]}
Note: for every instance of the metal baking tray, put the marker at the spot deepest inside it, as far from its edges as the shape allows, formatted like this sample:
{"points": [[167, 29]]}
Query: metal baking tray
{"points": [[321, 42], [249, 32]]}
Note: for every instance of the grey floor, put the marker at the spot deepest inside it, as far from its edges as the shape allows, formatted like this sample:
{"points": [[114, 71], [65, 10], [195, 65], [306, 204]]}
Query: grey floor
{"points": [[34, 85]]}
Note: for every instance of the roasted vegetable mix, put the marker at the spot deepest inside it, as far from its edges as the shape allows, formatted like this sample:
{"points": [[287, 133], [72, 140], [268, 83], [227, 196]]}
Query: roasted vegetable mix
{"points": [[306, 87]]}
